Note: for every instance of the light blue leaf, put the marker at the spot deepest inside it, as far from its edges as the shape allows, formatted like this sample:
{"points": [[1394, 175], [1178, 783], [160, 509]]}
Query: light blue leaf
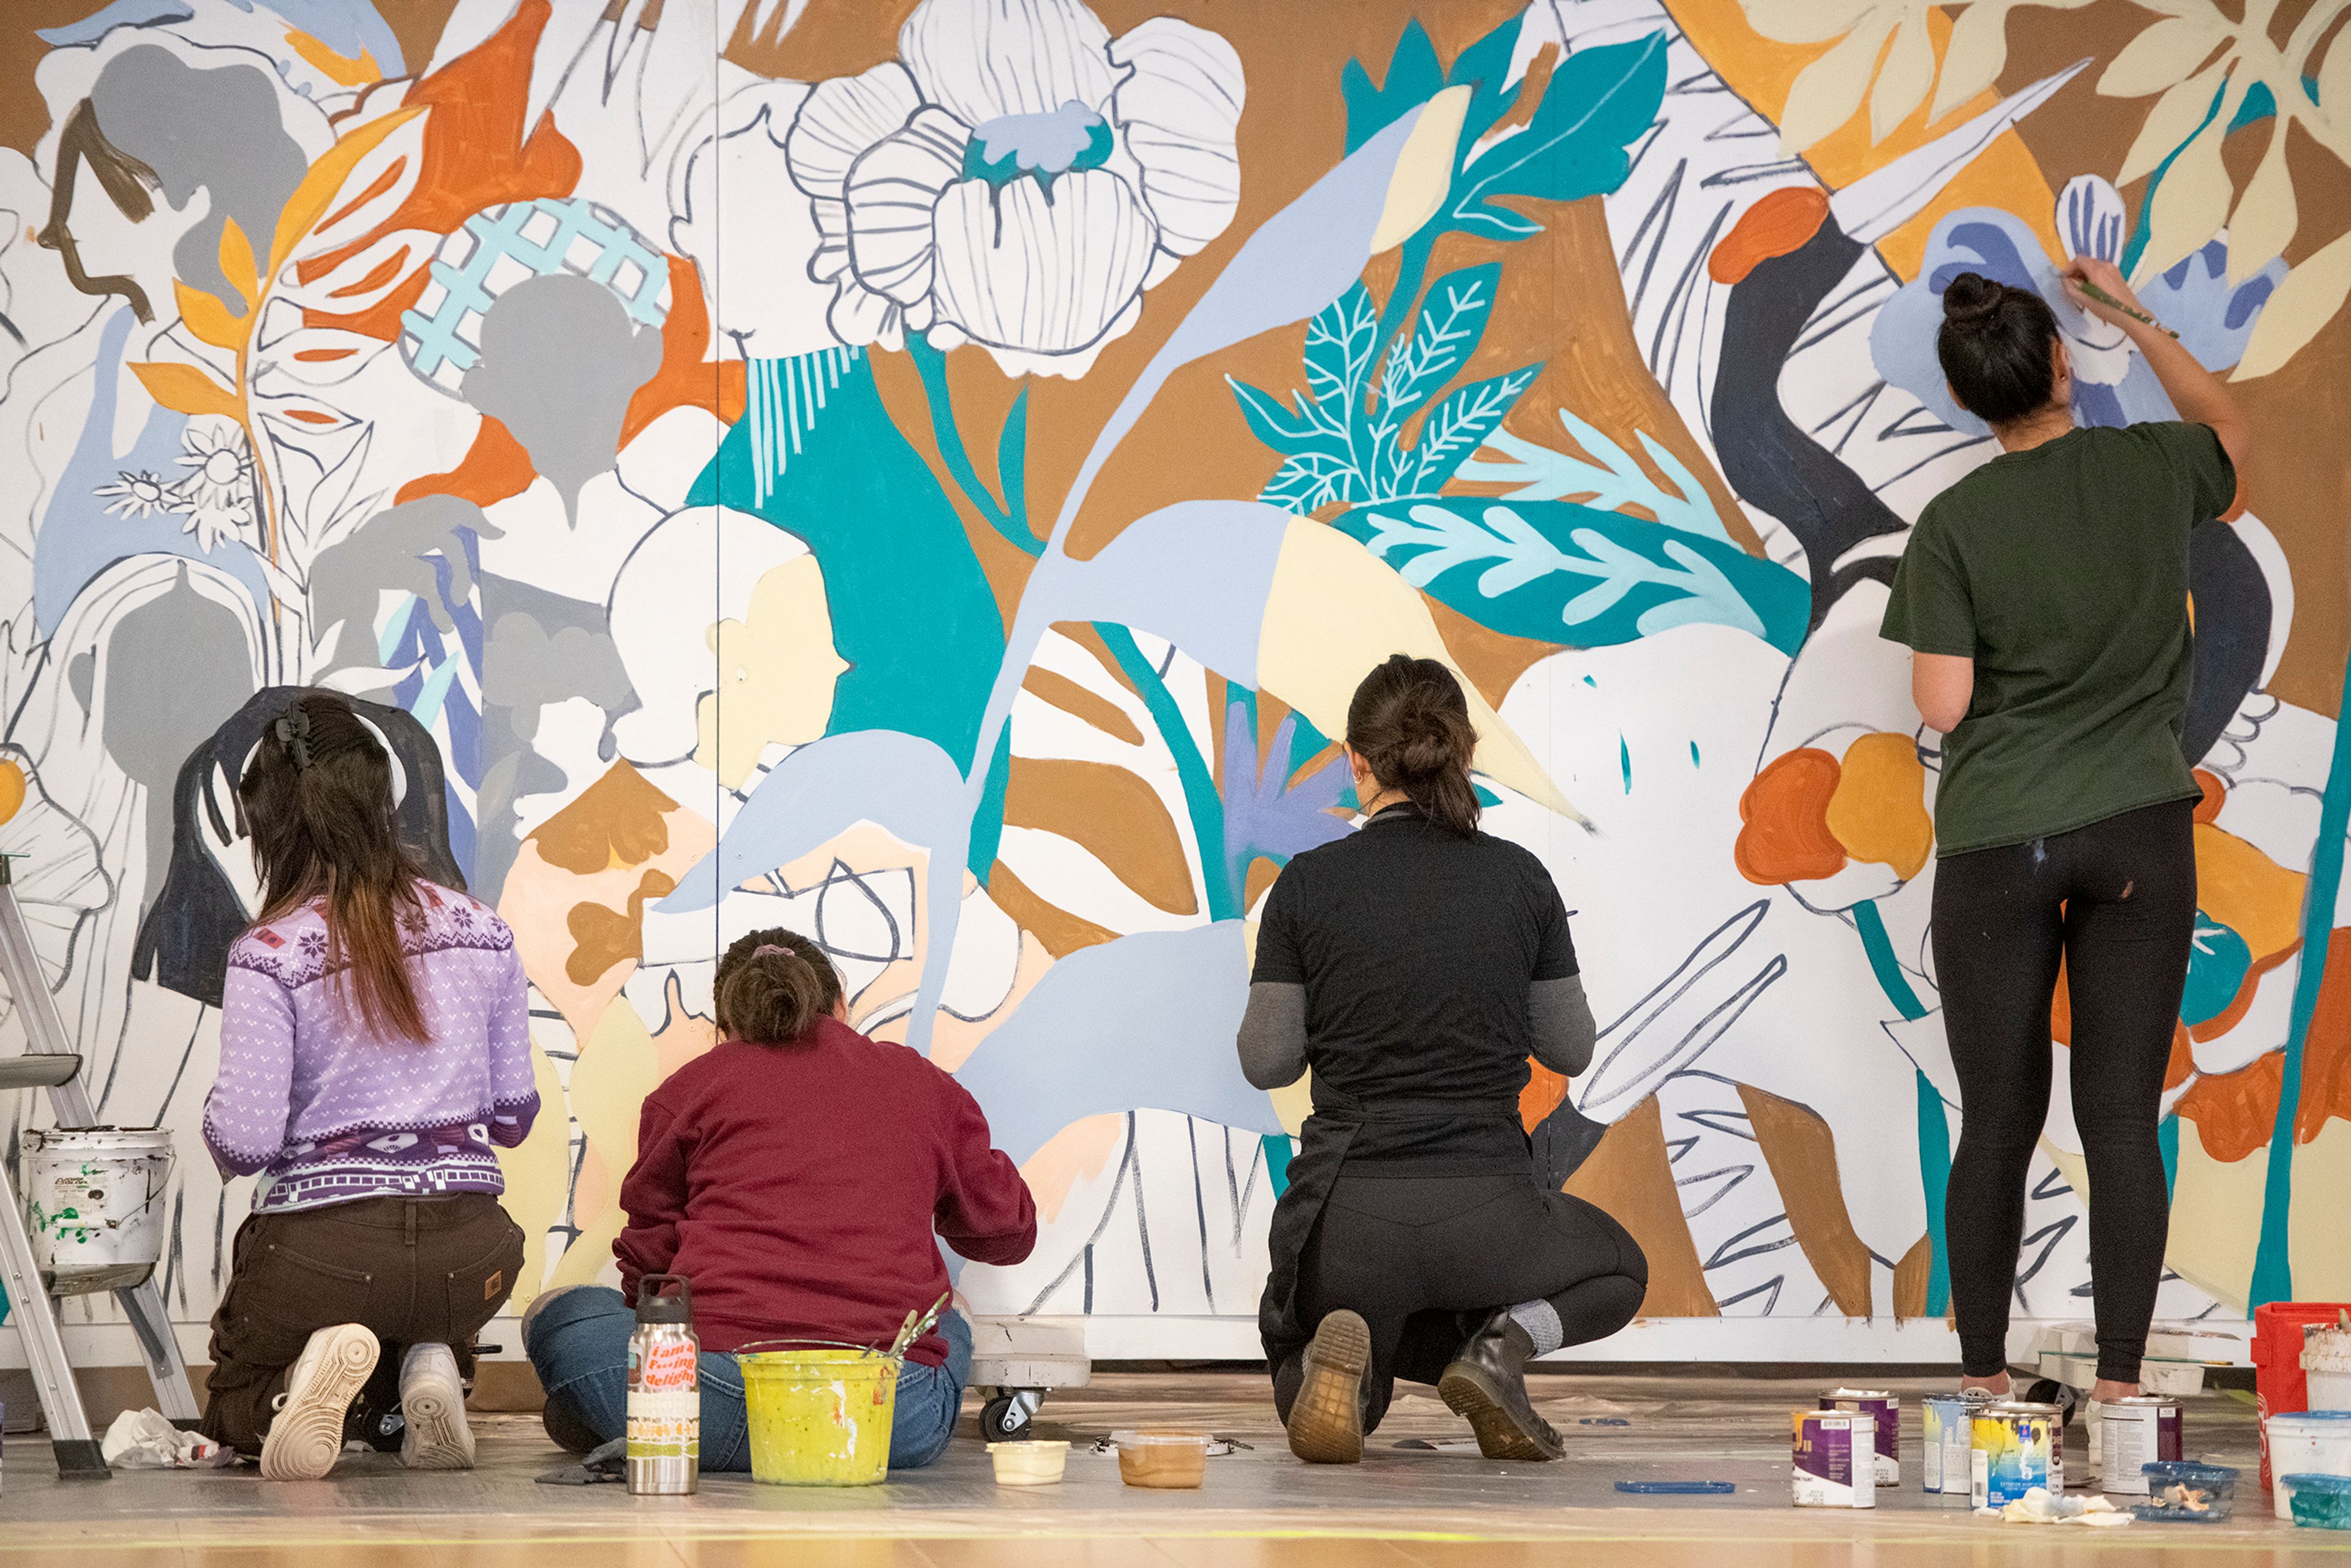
{"points": [[1454, 427], [1610, 481]]}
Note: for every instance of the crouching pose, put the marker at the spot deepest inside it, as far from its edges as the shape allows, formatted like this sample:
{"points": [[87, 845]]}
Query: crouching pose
{"points": [[1414, 966], [801, 1176]]}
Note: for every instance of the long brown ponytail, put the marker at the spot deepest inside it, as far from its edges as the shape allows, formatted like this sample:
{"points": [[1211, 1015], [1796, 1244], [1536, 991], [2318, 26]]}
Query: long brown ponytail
{"points": [[317, 794], [773, 986], [1411, 722]]}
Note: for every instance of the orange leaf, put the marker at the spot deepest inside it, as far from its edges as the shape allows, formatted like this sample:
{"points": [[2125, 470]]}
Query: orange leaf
{"points": [[236, 261], [209, 320], [308, 202], [183, 389]]}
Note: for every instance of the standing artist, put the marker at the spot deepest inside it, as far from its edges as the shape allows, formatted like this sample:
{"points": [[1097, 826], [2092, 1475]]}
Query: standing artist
{"points": [[2045, 597], [1414, 966]]}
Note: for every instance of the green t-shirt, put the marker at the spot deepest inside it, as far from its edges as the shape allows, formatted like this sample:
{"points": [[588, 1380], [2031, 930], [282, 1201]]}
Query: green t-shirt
{"points": [[2062, 570]]}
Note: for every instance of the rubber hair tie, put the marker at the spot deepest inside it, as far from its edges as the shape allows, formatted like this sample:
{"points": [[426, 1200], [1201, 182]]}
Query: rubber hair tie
{"points": [[764, 948], [293, 732]]}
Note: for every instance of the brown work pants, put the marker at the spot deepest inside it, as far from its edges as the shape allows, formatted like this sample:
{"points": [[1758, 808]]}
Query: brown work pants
{"points": [[416, 1271]]}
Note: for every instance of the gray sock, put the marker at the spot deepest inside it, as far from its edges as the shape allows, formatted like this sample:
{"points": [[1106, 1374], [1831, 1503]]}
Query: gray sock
{"points": [[1540, 1320]]}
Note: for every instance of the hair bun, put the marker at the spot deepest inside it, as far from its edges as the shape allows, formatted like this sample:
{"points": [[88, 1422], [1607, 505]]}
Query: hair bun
{"points": [[1971, 298]]}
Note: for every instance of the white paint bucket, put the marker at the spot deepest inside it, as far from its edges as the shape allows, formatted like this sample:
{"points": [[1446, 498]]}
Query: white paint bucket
{"points": [[2327, 1362], [2307, 1442], [94, 1203]]}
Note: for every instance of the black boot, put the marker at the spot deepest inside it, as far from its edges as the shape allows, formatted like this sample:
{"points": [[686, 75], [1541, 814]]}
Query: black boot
{"points": [[1486, 1384], [1326, 1419]]}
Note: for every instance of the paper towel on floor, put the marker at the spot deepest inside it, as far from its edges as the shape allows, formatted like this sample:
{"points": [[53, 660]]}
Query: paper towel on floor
{"points": [[144, 1440], [2040, 1506]]}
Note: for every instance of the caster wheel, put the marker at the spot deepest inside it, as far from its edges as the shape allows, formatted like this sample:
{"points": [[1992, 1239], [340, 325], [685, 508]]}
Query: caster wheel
{"points": [[1003, 1420], [2049, 1391]]}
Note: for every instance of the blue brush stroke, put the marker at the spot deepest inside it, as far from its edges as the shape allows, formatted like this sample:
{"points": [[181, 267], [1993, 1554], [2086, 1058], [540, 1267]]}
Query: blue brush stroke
{"points": [[121, 13]]}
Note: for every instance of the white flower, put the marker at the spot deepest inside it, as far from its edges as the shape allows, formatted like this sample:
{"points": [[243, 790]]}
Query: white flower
{"points": [[211, 524], [222, 480], [139, 495], [1017, 177]]}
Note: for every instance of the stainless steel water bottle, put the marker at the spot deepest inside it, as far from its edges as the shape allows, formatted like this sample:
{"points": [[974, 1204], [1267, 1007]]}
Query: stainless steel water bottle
{"points": [[665, 1439]]}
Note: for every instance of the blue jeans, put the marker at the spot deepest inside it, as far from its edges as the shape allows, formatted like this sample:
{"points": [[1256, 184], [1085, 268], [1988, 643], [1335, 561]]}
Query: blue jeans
{"points": [[578, 1340]]}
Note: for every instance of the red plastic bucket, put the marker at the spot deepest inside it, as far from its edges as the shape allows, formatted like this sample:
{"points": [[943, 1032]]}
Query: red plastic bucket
{"points": [[2279, 1382]]}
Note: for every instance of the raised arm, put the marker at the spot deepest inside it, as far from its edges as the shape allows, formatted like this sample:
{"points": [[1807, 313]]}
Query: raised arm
{"points": [[247, 1113], [2201, 397]]}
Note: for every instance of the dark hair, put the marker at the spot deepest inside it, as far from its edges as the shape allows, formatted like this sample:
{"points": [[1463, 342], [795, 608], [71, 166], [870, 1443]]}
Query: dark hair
{"points": [[773, 986], [1994, 345], [318, 795], [1411, 722]]}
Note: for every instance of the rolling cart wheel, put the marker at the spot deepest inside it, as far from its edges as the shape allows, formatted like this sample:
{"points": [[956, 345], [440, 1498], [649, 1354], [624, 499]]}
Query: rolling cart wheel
{"points": [[1004, 1419], [2049, 1391]]}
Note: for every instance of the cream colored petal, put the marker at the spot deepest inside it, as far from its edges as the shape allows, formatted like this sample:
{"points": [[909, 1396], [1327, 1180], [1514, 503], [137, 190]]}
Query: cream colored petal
{"points": [[1826, 92], [1180, 110], [1972, 59], [1020, 269], [841, 119], [2162, 54], [2266, 215], [986, 58], [777, 671], [892, 190], [1903, 80], [2306, 301], [1806, 21], [2174, 118], [1424, 169], [2190, 202]]}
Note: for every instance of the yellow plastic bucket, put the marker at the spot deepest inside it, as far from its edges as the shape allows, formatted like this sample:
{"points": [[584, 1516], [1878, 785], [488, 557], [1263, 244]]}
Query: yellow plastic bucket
{"points": [[819, 1417]]}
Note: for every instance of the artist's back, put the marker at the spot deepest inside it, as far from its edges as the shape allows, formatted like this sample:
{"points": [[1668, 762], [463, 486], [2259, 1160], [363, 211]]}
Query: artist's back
{"points": [[799, 1186], [2060, 570]]}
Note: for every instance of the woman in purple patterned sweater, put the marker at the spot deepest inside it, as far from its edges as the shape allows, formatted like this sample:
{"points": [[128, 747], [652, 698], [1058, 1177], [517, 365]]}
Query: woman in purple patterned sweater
{"points": [[375, 1043]]}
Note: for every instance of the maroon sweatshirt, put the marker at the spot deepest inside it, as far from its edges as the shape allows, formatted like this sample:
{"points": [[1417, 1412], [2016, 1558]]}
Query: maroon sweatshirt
{"points": [[798, 1186]]}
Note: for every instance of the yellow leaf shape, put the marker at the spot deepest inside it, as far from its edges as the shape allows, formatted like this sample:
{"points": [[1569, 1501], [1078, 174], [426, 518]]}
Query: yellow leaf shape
{"points": [[2307, 299], [237, 262], [183, 389], [309, 201], [1878, 811], [340, 69], [209, 320]]}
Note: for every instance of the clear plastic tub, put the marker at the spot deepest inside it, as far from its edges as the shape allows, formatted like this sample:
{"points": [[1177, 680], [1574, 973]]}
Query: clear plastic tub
{"points": [[2319, 1502], [2181, 1491], [1037, 1463], [1170, 1461]]}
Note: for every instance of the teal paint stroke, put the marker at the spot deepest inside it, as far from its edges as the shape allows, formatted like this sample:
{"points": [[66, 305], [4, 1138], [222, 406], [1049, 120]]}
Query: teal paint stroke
{"points": [[2167, 1138], [1278, 1152], [912, 612], [1624, 761], [1200, 798], [933, 367], [1882, 961], [1694, 761], [2272, 1259], [1934, 1119], [2139, 238]]}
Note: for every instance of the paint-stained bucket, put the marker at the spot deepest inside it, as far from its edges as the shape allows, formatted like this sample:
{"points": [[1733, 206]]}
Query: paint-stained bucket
{"points": [[820, 1415], [2128, 1435], [94, 1203], [1948, 1423], [1888, 1409], [2017, 1447], [1834, 1459]]}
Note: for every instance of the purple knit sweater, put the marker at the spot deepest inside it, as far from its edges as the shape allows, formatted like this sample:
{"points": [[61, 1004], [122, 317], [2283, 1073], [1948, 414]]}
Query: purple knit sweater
{"points": [[326, 1111]]}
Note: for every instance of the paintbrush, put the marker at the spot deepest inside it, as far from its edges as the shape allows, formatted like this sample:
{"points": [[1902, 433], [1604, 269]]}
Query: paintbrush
{"points": [[2111, 303], [917, 1325]]}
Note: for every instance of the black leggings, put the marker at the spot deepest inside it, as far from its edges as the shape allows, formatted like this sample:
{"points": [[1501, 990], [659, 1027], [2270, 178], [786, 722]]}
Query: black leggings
{"points": [[1426, 1260], [2118, 901]]}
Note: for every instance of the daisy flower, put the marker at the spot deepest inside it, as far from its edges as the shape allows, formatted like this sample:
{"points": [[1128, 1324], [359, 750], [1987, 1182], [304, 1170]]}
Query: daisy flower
{"points": [[138, 496], [211, 524], [224, 473]]}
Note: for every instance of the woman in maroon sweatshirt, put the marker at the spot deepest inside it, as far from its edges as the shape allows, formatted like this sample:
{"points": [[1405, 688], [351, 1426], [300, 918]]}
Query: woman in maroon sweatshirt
{"points": [[801, 1176]]}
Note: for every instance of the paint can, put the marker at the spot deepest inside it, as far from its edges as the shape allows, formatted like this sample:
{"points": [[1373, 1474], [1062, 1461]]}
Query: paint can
{"points": [[1836, 1464], [2126, 1434], [94, 1202], [2014, 1447], [1886, 1408], [1947, 1421]]}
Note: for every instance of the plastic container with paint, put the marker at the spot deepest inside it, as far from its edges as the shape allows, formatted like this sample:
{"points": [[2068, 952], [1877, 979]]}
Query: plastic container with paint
{"points": [[820, 1415], [2318, 1502], [2181, 1491], [1037, 1463], [94, 1197], [2306, 1443], [1171, 1461]]}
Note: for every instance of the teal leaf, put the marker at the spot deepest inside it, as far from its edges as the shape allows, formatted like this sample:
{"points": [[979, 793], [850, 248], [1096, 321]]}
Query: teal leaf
{"points": [[1452, 320], [1559, 572], [1483, 217], [1287, 429], [1457, 426], [1598, 102], [1413, 77], [1340, 343], [1485, 64], [1012, 467], [1312, 480], [2218, 961]]}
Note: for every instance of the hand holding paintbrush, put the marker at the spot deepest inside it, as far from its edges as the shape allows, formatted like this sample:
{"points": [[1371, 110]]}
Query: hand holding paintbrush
{"points": [[2097, 286]]}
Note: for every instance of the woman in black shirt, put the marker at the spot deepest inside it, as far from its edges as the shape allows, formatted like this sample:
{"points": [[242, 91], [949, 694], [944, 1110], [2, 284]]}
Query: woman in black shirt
{"points": [[1414, 966]]}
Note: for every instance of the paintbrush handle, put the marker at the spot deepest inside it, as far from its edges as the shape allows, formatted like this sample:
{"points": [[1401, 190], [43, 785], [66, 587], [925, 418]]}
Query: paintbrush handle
{"points": [[2111, 303]]}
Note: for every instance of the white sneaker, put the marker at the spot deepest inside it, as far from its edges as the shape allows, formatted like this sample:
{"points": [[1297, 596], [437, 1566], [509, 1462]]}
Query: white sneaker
{"points": [[433, 1404], [307, 1434]]}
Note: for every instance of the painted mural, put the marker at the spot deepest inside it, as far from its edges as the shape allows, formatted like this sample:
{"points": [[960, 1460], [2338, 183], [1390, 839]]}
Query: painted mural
{"points": [[931, 473]]}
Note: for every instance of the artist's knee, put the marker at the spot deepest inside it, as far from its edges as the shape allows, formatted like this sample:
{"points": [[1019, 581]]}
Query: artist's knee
{"points": [[1613, 1300], [553, 1316]]}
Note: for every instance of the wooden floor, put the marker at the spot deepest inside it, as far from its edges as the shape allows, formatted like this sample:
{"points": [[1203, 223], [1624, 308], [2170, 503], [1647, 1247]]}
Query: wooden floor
{"points": [[1260, 1509]]}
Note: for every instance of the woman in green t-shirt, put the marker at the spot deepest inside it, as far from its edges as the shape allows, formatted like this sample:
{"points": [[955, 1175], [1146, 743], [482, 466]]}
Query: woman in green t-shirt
{"points": [[2044, 597]]}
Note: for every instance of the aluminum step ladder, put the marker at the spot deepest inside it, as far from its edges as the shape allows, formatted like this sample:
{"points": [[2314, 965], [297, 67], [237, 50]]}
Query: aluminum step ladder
{"points": [[51, 1062]]}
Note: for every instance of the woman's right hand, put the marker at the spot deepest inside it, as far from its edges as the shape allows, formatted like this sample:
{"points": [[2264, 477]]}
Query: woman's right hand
{"points": [[2104, 276]]}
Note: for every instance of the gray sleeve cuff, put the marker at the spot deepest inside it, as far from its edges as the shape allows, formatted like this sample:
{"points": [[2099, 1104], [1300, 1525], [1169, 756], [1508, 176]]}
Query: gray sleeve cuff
{"points": [[1273, 1035], [1564, 1029]]}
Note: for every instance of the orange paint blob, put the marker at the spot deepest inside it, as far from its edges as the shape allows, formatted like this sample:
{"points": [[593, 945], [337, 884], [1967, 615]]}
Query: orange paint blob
{"points": [[1779, 224], [1879, 811], [2216, 795], [1786, 835], [12, 790]]}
